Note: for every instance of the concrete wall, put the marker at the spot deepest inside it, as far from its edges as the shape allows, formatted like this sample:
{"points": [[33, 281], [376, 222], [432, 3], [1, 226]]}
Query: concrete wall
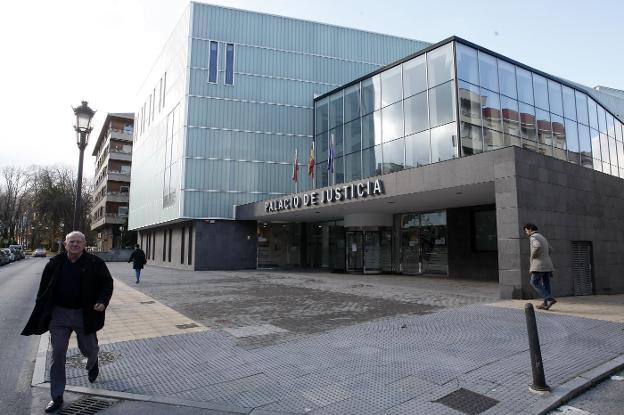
{"points": [[567, 203], [159, 243], [225, 245], [114, 255]]}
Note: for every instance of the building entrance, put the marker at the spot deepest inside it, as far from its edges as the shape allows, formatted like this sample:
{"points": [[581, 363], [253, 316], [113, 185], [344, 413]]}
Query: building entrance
{"points": [[369, 251]]}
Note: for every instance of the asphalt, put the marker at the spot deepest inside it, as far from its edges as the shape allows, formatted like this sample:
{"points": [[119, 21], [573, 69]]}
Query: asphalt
{"points": [[276, 342]]}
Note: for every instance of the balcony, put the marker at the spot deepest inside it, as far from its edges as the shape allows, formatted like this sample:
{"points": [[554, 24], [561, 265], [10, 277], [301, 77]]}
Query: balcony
{"points": [[109, 219], [119, 175], [120, 154], [117, 134]]}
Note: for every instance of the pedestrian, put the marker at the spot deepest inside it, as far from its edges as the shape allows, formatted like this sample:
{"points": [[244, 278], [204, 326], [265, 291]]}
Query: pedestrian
{"points": [[541, 267], [138, 260], [74, 291]]}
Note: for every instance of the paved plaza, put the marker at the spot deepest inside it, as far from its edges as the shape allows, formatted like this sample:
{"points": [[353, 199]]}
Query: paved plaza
{"points": [[269, 342]]}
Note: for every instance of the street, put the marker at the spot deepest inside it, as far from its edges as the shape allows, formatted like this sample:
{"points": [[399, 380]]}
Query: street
{"points": [[226, 301]]}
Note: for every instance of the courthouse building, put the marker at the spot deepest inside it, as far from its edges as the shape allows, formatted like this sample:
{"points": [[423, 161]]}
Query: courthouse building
{"points": [[427, 158]]}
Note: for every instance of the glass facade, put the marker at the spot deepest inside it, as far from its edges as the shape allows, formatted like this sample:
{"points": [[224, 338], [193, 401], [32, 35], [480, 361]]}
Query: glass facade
{"points": [[405, 117], [401, 118]]}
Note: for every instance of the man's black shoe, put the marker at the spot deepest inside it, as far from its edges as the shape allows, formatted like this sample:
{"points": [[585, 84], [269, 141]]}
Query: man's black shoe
{"points": [[93, 373], [550, 303], [54, 405]]}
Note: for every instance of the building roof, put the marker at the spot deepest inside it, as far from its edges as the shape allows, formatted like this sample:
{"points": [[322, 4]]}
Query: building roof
{"points": [[107, 121]]}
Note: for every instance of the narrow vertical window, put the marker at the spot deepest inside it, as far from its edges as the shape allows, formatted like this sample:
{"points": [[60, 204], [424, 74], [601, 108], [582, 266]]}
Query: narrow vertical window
{"points": [[154, 104], [160, 95], [153, 245], [170, 234], [149, 110], [212, 64], [164, 89], [164, 250], [190, 244], [183, 241], [229, 64]]}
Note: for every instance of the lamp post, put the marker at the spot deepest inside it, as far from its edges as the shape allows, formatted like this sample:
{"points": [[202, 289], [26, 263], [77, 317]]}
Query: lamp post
{"points": [[84, 114], [121, 230]]}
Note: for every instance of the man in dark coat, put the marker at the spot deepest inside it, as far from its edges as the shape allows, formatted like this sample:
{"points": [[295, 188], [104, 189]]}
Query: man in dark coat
{"points": [[75, 289], [138, 260]]}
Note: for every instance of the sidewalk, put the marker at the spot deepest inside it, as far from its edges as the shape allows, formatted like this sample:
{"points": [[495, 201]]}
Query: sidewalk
{"points": [[325, 344]]}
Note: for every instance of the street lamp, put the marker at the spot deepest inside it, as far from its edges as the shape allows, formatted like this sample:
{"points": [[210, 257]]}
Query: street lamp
{"points": [[121, 229], [84, 114]]}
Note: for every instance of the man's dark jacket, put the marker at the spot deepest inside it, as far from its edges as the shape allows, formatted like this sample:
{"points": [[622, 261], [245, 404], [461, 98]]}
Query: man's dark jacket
{"points": [[138, 259], [96, 287]]}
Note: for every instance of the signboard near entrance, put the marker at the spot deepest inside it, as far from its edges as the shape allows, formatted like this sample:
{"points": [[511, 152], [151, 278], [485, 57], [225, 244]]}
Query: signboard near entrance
{"points": [[334, 194]]}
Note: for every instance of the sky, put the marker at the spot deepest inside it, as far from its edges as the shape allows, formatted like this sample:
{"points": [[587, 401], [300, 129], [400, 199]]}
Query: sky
{"points": [[56, 54]]}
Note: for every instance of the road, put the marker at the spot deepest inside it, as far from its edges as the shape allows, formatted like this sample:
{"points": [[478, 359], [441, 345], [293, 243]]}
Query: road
{"points": [[18, 286]]}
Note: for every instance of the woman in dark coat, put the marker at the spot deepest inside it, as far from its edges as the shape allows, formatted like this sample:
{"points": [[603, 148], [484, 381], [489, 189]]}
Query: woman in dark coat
{"points": [[138, 260]]}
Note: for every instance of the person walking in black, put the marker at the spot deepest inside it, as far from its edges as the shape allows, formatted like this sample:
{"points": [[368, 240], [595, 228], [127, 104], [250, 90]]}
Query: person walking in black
{"points": [[74, 291], [138, 261]]}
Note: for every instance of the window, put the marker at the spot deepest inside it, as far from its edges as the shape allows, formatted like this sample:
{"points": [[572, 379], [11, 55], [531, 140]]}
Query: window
{"points": [[182, 242], [124, 189], [391, 86], [352, 103], [467, 64], [488, 72], [441, 108], [321, 116], [170, 238], [416, 113], [414, 76], [153, 245], [190, 244], [164, 247], [229, 64], [212, 64], [122, 211], [440, 65]]}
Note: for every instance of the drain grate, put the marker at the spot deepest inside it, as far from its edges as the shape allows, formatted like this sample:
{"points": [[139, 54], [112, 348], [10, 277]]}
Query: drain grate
{"points": [[87, 406], [468, 402], [78, 361], [147, 302], [186, 326]]}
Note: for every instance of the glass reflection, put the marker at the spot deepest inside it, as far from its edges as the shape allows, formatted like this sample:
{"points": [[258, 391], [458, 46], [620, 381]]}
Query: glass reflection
{"points": [[511, 117], [610, 125], [321, 175], [335, 110], [595, 145], [488, 72], [544, 136], [416, 113], [467, 64], [352, 103], [392, 122], [525, 85], [554, 97], [353, 167], [371, 162], [337, 139], [581, 108], [338, 170], [540, 91], [414, 76], [443, 143], [602, 123], [320, 145], [440, 65], [507, 79], [322, 116], [572, 141], [620, 155], [613, 157], [569, 107], [393, 154], [469, 103], [353, 136], [585, 146], [604, 148], [471, 139], [417, 150], [371, 129], [593, 114], [371, 94], [490, 110], [527, 122], [441, 108], [558, 137], [493, 139], [391, 86]]}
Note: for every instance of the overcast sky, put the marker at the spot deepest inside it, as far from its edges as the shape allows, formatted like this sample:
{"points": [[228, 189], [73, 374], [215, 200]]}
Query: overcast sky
{"points": [[57, 53]]}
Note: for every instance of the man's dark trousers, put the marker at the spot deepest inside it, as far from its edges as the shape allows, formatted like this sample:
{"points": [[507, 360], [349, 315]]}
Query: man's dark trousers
{"points": [[64, 321]]}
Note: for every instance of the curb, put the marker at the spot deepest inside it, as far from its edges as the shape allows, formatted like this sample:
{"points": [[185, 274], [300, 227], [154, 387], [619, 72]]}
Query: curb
{"points": [[574, 387], [38, 380]]}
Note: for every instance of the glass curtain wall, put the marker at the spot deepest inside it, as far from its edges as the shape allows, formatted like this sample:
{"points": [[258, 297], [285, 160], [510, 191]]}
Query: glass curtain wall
{"points": [[502, 104], [400, 118]]}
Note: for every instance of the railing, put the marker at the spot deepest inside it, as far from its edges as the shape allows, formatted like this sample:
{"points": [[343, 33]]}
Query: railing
{"points": [[126, 173], [120, 150]]}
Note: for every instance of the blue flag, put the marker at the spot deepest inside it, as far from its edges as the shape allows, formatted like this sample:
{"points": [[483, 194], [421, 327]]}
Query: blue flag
{"points": [[331, 155]]}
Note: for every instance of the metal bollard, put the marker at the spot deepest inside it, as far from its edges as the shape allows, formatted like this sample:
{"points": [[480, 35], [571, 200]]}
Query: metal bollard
{"points": [[537, 367]]}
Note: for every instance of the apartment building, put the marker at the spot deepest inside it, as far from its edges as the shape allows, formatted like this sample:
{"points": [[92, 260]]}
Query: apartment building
{"points": [[113, 158]]}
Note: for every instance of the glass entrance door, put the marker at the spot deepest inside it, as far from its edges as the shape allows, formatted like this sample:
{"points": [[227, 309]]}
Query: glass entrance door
{"points": [[411, 261], [355, 252], [372, 252]]}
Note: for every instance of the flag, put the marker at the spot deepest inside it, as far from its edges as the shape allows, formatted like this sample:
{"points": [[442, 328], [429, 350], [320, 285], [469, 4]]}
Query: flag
{"points": [[311, 162], [331, 155], [295, 170]]}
